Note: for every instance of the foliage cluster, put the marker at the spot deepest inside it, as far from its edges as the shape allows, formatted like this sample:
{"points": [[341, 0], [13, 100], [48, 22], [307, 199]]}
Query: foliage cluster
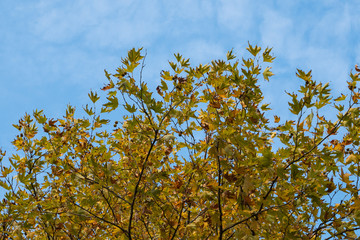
{"points": [[199, 158]]}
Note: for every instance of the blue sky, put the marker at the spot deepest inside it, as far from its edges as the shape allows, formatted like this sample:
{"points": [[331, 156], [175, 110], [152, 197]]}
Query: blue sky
{"points": [[53, 52]]}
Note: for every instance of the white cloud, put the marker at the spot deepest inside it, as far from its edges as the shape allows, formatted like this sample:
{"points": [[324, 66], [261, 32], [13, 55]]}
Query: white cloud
{"points": [[103, 23], [121, 23], [76, 36], [309, 40], [238, 15], [275, 30], [202, 51], [186, 10]]}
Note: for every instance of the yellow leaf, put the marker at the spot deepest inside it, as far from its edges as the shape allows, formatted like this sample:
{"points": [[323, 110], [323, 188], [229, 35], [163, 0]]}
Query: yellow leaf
{"points": [[351, 158], [339, 147], [277, 119], [356, 204], [345, 178]]}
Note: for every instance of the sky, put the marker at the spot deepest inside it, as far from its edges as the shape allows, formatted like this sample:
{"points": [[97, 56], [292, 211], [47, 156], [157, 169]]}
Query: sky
{"points": [[52, 53]]}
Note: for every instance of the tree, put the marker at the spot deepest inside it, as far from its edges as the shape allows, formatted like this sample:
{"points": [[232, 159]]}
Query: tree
{"points": [[199, 158]]}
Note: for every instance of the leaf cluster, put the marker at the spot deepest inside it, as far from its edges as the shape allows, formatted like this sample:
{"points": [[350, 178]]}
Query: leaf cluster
{"points": [[199, 158]]}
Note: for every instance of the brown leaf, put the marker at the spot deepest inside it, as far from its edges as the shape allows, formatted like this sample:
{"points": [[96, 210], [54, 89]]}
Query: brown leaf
{"points": [[229, 195], [168, 150], [331, 131], [205, 125], [248, 201], [330, 187], [254, 120], [214, 206], [182, 80], [276, 119], [178, 184], [158, 89], [357, 68], [52, 123], [230, 177], [215, 104], [107, 87]]}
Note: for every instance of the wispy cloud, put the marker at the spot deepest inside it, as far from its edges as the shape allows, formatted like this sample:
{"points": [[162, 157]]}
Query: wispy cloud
{"points": [[100, 24], [51, 45], [318, 38]]}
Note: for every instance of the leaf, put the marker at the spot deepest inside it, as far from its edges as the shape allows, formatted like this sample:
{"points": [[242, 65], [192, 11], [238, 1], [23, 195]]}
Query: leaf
{"points": [[267, 73], [305, 76], [357, 68], [351, 159], [345, 178], [169, 138], [230, 56], [88, 110], [93, 96], [112, 104], [6, 171], [135, 55], [309, 119], [341, 98], [107, 87], [52, 123], [166, 75], [215, 104], [253, 50], [265, 107], [130, 108], [266, 55], [294, 171]]}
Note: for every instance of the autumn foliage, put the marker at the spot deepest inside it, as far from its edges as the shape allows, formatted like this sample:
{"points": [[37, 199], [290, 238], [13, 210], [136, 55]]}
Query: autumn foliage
{"points": [[200, 157]]}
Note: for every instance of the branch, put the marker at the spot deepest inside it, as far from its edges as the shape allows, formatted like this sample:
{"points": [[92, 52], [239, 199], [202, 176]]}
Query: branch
{"points": [[255, 214], [344, 231], [138, 183], [219, 197], [333, 130], [101, 218]]}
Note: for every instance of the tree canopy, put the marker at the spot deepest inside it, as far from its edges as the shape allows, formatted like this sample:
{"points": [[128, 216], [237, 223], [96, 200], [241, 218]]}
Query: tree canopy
{"points": [[198, 157]]}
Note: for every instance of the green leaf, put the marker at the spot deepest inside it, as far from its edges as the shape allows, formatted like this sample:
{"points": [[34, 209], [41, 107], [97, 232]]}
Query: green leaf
{"points": [[39, 116], [267, 73], [173, 66], [169, 138], [107, 75], [265, 107], [294, 171], [230, 56], [266, 159], [304, 76], [267, 56], [253, 50], [4, 185], [88, 110], [157, 107], [130, 108], [163, 85], [93, 96], [166, 75], [135, 55], [248, 62], [309, 119], [341, 98], [112, 104], [6, 171]]}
